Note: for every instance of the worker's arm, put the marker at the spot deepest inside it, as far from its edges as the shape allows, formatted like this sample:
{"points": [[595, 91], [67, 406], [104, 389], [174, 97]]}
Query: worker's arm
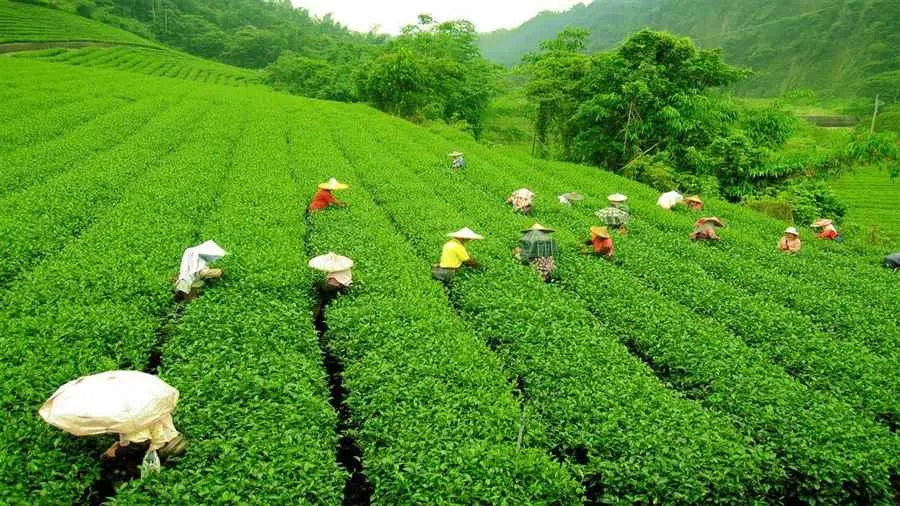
{"points": [[471, 263]]}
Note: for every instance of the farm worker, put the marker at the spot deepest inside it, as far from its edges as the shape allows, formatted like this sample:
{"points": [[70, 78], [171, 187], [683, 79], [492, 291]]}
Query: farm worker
{"points": [[537, 248], [324, 197], [705, 229], [790, 242], [829, 232], [454, 255], [615, 216], [195, 269], [135, 405], [521, 200], [338, 276], [892, 261], [694, 203], [458, 162], [669, 200], [566, 199], [601, 242]]}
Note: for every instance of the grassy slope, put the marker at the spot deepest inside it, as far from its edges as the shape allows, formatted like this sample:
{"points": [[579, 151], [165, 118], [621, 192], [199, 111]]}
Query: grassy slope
{"points": [[158, 62], [874, 200], [29, 23], [311, 112]]}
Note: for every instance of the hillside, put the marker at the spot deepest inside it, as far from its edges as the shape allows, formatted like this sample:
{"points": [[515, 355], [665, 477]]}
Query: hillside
{"points": [[21, 22], [695, 381], [830, 46]]}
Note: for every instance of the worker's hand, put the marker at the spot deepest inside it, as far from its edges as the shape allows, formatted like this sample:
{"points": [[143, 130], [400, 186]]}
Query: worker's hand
{"points": [[110, 453]]}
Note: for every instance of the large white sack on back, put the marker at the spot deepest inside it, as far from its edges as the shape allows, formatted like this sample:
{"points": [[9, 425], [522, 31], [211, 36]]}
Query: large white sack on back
{"points": [[669, 200], [131, 403]]}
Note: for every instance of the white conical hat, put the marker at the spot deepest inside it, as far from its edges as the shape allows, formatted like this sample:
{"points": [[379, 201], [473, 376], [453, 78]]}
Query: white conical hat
{"points": [[332, 184], [464, 233], [821, 222], [110, 402], [617, 197], [330, 262], [573, 196], [792, 230], [454, 154]]}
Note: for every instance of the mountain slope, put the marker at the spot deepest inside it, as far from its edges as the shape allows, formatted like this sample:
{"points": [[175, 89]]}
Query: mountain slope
{"points": [[825, 45]]}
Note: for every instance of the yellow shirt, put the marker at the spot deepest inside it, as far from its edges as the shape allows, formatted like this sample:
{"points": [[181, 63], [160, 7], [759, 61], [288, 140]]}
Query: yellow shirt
{"points": [[453, 255]]}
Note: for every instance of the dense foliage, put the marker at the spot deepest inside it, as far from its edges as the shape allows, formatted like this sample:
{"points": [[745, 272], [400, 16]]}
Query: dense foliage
{"points": [[791, 44], [432, 70]]}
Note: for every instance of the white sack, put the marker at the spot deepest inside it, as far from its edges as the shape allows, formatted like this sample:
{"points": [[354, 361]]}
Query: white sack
{"points": [[669, 200], [133, 404]]}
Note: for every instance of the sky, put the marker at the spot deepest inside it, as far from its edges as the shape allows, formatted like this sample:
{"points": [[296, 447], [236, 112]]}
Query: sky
{"points": [[391, 15]]}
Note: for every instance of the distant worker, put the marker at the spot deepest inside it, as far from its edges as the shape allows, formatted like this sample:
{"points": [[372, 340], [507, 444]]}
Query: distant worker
{"points": [[135, 405], [537, 248], [705, 229], [669, 200], [790, 242], [615, 216], [338, 276], [457, 161], [892, 261], [454, 255], [567, 199], [521, 200], [195, 270], [601, 242], [829, 232], [694, 203], [325, 198]]}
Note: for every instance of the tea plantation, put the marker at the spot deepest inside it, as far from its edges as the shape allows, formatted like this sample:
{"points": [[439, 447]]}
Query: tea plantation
{"points": [[680, 373]]}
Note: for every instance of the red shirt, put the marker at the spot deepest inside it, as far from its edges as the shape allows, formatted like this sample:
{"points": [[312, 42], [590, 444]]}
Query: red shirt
{"points": [[602, 246], [828, 234], [321, 200]]}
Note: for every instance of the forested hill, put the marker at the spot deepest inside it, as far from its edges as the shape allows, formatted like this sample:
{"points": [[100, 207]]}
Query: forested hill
{"points": [[839, 46]]}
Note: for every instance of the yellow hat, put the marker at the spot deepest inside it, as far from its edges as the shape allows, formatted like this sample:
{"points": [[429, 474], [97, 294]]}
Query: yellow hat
{"points": [[601, 232], [465, 233], [333, 184], [537, 227], [712, 219], [454, 154]]}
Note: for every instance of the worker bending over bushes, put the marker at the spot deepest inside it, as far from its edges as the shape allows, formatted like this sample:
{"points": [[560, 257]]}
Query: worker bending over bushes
{"points": [[829, 232], [790, 242], [521, 200], [705, 229], [537, 248], [616, 215], [195, 270], [454, 255], [601, 242], [324, 198]]}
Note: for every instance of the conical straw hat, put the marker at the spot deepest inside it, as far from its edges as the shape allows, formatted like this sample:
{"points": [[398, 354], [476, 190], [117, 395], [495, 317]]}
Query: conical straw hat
{"points": [[714, 220], [693, 198], [330, 262], [465, 233], [822, 222], [617, 197], [573, 196], [601, 232], [333, 184], [792, 231], [454, 154], [537, 227]]}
